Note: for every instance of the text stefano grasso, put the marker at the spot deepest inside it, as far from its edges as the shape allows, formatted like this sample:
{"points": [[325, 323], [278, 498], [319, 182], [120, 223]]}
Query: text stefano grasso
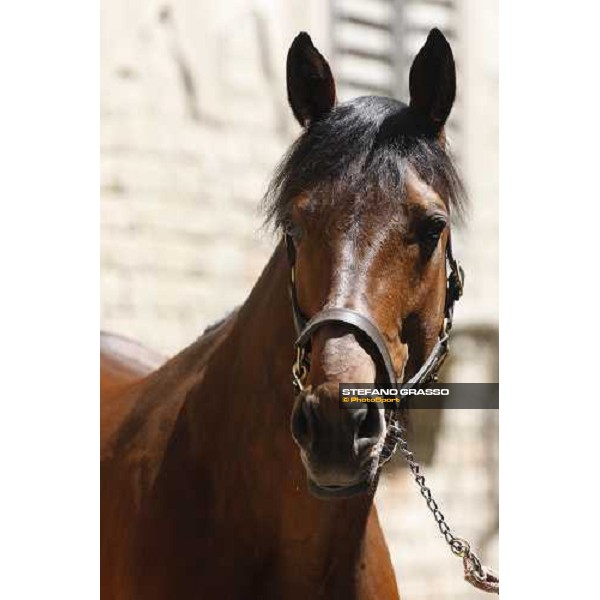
{"points": [[394, 392]]}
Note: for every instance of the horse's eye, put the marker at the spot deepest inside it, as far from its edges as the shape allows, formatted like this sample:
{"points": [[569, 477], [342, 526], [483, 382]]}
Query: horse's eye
{"points": [[434, 227], [431, 231]]}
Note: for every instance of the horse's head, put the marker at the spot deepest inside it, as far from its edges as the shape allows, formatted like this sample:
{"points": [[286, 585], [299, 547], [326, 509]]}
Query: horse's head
{"points": [[364, 197]]}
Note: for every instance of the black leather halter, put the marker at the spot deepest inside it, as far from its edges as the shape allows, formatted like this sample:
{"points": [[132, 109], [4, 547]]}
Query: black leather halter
{"points": [[368, 330], [306, 328]]}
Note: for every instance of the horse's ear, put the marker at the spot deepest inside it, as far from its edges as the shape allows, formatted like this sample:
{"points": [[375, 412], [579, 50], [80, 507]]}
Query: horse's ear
{"points": [[310, 85], [432, 80]]}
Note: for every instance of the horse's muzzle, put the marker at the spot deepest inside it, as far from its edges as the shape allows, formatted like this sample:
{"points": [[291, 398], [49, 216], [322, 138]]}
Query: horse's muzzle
{"points": [[339, 447]]}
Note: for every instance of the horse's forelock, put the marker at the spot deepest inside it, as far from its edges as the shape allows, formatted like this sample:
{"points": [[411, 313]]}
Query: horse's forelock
{"points": [[364, 144]]}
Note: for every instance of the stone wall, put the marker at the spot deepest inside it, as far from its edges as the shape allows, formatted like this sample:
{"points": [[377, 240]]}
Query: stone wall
{"points": [[194, 119]]}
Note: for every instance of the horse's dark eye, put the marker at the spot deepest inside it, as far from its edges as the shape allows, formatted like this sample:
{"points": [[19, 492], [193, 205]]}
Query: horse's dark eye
{"points": [[435, 227], [431, 231]]}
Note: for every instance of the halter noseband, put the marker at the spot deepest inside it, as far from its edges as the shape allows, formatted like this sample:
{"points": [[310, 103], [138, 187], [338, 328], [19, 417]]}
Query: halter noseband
{"points": [[428, 371]]}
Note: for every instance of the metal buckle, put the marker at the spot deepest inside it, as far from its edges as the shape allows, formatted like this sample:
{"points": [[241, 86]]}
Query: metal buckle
{"points": [[456, 281], [299, 369], [460, 279]]}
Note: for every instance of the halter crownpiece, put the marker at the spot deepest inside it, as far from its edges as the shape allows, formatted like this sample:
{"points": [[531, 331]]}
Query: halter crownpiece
{"points": [[474, 572]]}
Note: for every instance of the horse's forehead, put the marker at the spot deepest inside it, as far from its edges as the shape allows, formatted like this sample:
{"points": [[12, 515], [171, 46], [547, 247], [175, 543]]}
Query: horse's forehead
{"points": [[375, 208], [421, 194]]}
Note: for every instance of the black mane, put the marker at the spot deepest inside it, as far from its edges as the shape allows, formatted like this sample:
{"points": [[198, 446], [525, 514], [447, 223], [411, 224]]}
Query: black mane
{"points": [[364, 144]]}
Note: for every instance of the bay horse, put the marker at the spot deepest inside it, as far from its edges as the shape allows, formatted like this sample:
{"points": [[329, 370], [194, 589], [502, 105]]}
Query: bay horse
{"points": [[218, 478]]}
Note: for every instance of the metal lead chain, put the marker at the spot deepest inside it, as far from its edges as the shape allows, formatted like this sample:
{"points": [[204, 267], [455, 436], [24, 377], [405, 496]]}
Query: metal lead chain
{"points": [[476, 574], [393, 434]]}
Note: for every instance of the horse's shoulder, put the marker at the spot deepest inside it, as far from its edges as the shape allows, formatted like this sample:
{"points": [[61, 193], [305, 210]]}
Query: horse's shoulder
{"points": [[123, 363], [142, 394]]}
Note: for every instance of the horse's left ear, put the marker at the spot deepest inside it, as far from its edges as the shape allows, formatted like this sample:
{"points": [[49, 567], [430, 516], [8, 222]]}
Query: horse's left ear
{"points": [[310, 84], [432, 80]]}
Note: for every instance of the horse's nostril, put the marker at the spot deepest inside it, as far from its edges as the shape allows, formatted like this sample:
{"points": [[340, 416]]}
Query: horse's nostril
{"points": [[370, 424]]}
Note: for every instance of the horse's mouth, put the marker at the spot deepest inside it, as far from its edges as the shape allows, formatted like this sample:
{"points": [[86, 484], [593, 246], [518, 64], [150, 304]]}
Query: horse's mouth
{"points": [[336, 487], [326, 492]]}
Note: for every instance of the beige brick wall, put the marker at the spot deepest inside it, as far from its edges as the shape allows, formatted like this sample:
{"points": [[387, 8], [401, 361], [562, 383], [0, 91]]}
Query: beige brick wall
{"points": [[477, 244], [194, 119]]}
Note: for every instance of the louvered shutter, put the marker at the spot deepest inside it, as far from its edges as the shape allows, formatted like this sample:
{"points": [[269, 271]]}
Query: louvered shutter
{"points": [[375, 41]]}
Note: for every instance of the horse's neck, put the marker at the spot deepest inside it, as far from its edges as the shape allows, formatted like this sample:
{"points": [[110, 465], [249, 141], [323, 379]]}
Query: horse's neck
{"points": [[239, 425]]}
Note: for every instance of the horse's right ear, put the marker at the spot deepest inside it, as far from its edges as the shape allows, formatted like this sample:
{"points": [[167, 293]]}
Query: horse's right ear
{"points": [[432, 80], [310, 85]]}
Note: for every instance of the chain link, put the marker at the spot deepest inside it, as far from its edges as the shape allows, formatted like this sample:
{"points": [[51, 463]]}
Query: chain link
{"points": [[475, 572]]}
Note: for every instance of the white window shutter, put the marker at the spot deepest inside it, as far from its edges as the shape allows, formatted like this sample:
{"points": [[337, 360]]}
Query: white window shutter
{"points": [[375, 41]]}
